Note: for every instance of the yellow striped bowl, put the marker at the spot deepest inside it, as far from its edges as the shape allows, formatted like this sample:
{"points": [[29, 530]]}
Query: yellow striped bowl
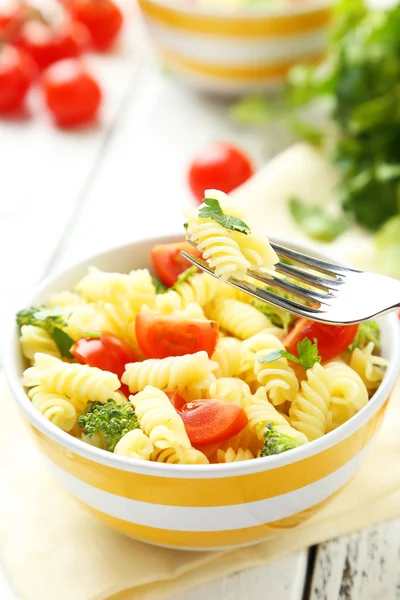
{"points": [[200, 507], [247, 49]]}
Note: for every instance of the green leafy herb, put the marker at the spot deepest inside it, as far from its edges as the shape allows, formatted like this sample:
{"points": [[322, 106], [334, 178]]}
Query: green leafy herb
{"points": [[186, 226], [278, 316], [359, 84], [185, 276], [387, 242], [50, 320], [367, 332], [307, 354], [315, 222], [277, 442], [110, 419], [158, 284], [213, 210], [92, 335]]}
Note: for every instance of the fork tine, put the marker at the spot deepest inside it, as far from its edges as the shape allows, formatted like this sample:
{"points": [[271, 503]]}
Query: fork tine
{"points": [[290, 305], [309, 261], [309, 312], [308, 278], [290, 288]]}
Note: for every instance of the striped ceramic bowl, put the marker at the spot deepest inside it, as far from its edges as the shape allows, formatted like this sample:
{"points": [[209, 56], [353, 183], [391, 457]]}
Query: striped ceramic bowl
{"points": [[199, 506], [246, 49]]}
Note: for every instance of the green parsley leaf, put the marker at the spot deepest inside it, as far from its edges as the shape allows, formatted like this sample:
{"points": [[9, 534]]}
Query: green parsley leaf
{"points": [[63, 342], [307, 351], [92, 335], [185, 226], [315, 222], [213, 211]]}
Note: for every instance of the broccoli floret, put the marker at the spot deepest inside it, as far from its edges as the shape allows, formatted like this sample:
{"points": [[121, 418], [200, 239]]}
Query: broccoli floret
{"points": [[111, 419], [366, 332], [277, 442]]}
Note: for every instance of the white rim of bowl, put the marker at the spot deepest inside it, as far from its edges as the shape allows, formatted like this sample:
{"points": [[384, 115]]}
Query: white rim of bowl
{"points": [[248, 10], [190, 471]]}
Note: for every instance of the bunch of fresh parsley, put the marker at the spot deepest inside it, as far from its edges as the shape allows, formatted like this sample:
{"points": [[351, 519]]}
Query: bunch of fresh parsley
{"points": [[360, 80]]}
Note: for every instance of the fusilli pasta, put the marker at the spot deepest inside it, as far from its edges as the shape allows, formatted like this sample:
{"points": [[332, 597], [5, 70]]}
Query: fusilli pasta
{"points": [[72, 380], [34, 339], [310, 408], [240, 319], [174, 372], [199, 288], [229, 253], [57, 408], [135, 444], [370, 368], [348, 393], [159, 420], [228, 356], [188, 456], [277, 376], [230, 455], [231, 389]]}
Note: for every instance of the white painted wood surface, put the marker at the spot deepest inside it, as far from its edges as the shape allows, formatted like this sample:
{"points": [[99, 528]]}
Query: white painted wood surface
{"points": [[66, 195]]}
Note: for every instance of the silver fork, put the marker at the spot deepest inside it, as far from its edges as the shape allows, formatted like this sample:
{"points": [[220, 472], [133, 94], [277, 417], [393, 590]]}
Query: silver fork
{"points": [[338, 294]]}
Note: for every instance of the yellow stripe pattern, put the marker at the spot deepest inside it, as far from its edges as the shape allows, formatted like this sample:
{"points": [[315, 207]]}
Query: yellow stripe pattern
{"points": [[224, 491]]}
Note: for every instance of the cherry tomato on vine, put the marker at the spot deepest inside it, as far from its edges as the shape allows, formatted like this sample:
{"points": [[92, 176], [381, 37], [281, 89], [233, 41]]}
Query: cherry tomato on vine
{"points": [[103, 19], [211, 421], [17, 72], [331, 339], [72, 95], [218, 166]]}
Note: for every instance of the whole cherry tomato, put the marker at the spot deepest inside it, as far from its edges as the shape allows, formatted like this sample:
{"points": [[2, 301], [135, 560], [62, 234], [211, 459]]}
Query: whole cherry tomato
{"points": [[72, 95], [49, 44], [218, 166], [103, 19], [17, 71]]}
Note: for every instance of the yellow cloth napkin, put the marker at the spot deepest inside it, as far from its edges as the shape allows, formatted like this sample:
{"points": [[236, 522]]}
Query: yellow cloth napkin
{"points": [[51, 548]]}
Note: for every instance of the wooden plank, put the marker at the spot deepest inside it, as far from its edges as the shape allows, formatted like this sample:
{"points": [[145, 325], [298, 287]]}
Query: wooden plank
{"points": [[45, 172], [363, 566], [281, 580]]}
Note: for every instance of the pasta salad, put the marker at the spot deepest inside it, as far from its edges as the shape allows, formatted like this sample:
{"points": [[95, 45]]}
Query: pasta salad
{"points": [[182, 368]]}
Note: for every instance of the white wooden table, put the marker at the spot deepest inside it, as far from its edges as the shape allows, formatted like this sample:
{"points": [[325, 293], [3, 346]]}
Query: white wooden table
{"points": [[67, 195]]}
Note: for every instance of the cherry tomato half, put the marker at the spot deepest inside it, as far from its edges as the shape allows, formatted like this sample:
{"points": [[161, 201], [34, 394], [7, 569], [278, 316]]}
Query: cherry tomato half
{"points": [[105, 351], [168, 261], [212, 421], [103, 19], [332, 339], [17, 71], [12, 17], [71, 93], [47, 44], [161, 336], [176, 399], [218, 166]]}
